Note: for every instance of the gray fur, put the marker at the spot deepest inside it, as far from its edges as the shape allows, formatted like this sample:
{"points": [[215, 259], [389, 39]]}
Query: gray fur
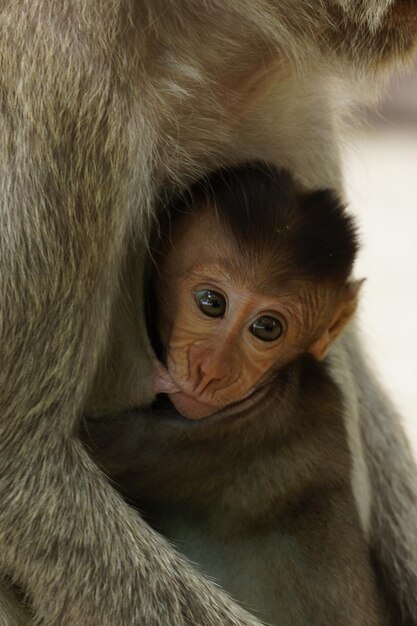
{"points": [[103, 102]]}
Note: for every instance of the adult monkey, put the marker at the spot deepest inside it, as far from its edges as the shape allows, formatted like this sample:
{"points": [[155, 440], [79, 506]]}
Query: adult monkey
{"points": [[103, 103]]}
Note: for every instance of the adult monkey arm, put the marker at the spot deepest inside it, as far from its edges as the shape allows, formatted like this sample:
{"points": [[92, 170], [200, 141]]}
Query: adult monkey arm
{"points": [[102, 103], [12, 610], [67, 210]]}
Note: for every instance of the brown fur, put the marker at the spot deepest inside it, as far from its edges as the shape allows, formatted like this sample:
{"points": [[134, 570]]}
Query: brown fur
{"points": [[265, 491], [102, 103]]}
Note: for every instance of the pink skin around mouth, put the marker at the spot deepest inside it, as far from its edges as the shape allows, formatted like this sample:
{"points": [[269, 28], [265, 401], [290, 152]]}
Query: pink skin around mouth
{"points": [[189, 407]]}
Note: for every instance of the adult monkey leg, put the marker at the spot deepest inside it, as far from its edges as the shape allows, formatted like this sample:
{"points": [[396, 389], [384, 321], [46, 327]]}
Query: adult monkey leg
{"points": [[102, 103]]}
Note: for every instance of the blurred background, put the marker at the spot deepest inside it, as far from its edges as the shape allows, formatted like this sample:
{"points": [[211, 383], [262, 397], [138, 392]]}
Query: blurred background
{"points": [[380, 163]]}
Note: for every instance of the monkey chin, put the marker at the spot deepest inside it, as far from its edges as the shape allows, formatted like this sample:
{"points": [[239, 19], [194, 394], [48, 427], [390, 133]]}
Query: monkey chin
{"points": [[190, 407]]}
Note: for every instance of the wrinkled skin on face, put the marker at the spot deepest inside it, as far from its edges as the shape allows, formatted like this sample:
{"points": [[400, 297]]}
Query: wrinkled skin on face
{"points": [[216, 361]]}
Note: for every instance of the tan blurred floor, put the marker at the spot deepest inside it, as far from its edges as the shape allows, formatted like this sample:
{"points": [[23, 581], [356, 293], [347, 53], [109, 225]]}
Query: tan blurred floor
{"points": [[381, 181]]}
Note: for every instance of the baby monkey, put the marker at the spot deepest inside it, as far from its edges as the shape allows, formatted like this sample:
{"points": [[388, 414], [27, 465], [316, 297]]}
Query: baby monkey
{"points": [[251, 277], [246, 467]]}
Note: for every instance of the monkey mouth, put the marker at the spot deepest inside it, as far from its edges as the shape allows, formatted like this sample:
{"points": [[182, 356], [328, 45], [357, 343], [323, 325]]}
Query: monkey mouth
{"points": [[194, 409], [190, 407]]}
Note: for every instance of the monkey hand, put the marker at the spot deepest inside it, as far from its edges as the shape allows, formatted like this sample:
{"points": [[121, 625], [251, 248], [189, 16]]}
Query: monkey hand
{"points": [[161, 379]]}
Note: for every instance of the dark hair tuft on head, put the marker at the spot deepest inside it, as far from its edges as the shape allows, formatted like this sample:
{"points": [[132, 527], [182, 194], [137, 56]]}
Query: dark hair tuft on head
{"points": [[309, 234]]}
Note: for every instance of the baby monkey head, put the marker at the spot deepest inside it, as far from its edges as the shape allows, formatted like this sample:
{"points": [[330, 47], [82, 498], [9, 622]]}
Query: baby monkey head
{"points": [[252, 274]]}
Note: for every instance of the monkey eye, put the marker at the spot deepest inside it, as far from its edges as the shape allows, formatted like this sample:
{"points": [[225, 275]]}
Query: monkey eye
{"points": [[210, 302], [267, 328]]}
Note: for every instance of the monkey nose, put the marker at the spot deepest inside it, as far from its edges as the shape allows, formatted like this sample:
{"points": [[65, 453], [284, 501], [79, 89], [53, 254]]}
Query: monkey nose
{"points": [[209, 371]]}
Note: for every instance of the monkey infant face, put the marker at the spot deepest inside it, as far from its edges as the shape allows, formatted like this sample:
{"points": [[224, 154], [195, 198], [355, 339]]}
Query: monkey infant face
{"points": [[223, 338]]}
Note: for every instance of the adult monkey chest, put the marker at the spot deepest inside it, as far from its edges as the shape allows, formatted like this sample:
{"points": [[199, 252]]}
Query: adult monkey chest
{"points": [[95, 118]]}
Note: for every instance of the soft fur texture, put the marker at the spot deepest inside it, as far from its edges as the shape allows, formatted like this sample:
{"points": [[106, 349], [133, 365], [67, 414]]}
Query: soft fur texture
{"points": [[103, 103], [258, 495]]}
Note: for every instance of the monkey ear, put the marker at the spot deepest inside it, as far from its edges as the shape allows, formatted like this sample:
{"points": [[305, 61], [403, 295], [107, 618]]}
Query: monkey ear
{"points": [[345, 308]]}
